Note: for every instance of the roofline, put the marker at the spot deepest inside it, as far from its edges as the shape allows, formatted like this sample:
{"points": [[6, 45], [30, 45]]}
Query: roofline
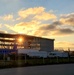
{"points": [[16, 35]]}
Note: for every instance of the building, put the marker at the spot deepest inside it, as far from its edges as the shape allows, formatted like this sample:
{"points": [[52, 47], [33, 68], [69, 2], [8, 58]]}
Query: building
{"points": [[58, 54], [21, 41]]}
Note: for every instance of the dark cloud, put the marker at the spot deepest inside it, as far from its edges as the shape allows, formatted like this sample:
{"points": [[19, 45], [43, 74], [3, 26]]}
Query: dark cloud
{"points": [[68, 19], [67, 15], [57, 23], [54, 31], [63, 32], [52, 26], [47, 27], [66, 31]]}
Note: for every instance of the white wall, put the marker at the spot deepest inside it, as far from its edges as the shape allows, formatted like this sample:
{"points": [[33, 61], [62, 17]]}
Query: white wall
{"points": [[33, 52], [44, 54]]}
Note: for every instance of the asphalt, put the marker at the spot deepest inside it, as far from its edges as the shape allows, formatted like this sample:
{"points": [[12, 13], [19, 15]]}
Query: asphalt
{"points": [[61, 69]]}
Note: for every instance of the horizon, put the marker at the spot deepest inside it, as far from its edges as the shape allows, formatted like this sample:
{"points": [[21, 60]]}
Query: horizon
{"points": [[48, 19]]}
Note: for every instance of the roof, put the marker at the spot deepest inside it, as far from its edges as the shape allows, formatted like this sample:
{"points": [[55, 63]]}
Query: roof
{"points": [[7, 35]]}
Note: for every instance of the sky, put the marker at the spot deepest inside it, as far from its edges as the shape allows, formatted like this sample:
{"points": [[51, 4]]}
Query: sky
{"points": [[52, 19]]}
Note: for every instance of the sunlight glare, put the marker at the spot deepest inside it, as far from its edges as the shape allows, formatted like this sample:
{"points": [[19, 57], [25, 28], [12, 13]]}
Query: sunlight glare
{"points": [[20, 40]]}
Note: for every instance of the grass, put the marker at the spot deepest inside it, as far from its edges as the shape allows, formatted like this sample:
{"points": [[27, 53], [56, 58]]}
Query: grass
{"points": [[34, 62]]}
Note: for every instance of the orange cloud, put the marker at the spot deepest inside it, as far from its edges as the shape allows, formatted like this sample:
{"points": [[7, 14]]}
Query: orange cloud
{"points": [[64, 44], [7, 17], [67, 19], [38, 29], [53, 30], [24, 27], [30, 11], [0, 25], [45, 16], [34, 23], [37, 13]]}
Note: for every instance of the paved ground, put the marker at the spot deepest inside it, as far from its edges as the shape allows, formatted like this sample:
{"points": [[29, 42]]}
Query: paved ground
{"points": [[64, 69]]}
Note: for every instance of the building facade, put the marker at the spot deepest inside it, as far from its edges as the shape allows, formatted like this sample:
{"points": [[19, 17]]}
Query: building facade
{"points": [[21, 41]]}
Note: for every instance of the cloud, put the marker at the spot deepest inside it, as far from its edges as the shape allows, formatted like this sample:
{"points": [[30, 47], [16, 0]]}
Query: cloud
{"points": [[52, 26], [34, 22], [66, 31], [47, 27], [7, 17], [0, 25], [64, 44], [36, 13], [45, 16], [67, 19], [2, 31], [24, 27], [30, 11], [53, 30], [63, 32], [57, 23], [31, 23], [38, 29]]}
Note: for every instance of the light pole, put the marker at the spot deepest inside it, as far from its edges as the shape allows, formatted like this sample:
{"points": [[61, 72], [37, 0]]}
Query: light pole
{"points": [[25, 58]]}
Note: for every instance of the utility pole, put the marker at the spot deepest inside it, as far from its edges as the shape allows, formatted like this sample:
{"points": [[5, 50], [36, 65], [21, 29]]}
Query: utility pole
{"points": [[25, 58], [69, 54]]}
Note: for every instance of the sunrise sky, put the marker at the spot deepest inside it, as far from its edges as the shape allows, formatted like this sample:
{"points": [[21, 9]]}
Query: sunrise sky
{"points": [[44, 18]]}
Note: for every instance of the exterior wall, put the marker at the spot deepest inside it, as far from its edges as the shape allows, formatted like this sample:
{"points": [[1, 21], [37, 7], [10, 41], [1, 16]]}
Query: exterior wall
{"points": [[41, 44], [32, 43], [8, 41], [46, 45]]}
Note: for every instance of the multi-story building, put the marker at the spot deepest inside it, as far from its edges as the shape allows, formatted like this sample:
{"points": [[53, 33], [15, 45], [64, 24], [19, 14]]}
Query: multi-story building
{"points": [[21, 41]]}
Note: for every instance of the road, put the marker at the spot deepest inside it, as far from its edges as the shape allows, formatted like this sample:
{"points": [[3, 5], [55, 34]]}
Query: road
{"points": [[64, 69]]}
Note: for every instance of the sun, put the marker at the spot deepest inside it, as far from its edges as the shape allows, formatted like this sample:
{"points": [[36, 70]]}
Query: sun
{"points": [[20, 40]]}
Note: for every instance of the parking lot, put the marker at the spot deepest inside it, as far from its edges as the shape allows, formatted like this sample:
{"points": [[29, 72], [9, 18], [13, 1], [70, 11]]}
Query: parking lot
{"points": [[64, 69]]}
